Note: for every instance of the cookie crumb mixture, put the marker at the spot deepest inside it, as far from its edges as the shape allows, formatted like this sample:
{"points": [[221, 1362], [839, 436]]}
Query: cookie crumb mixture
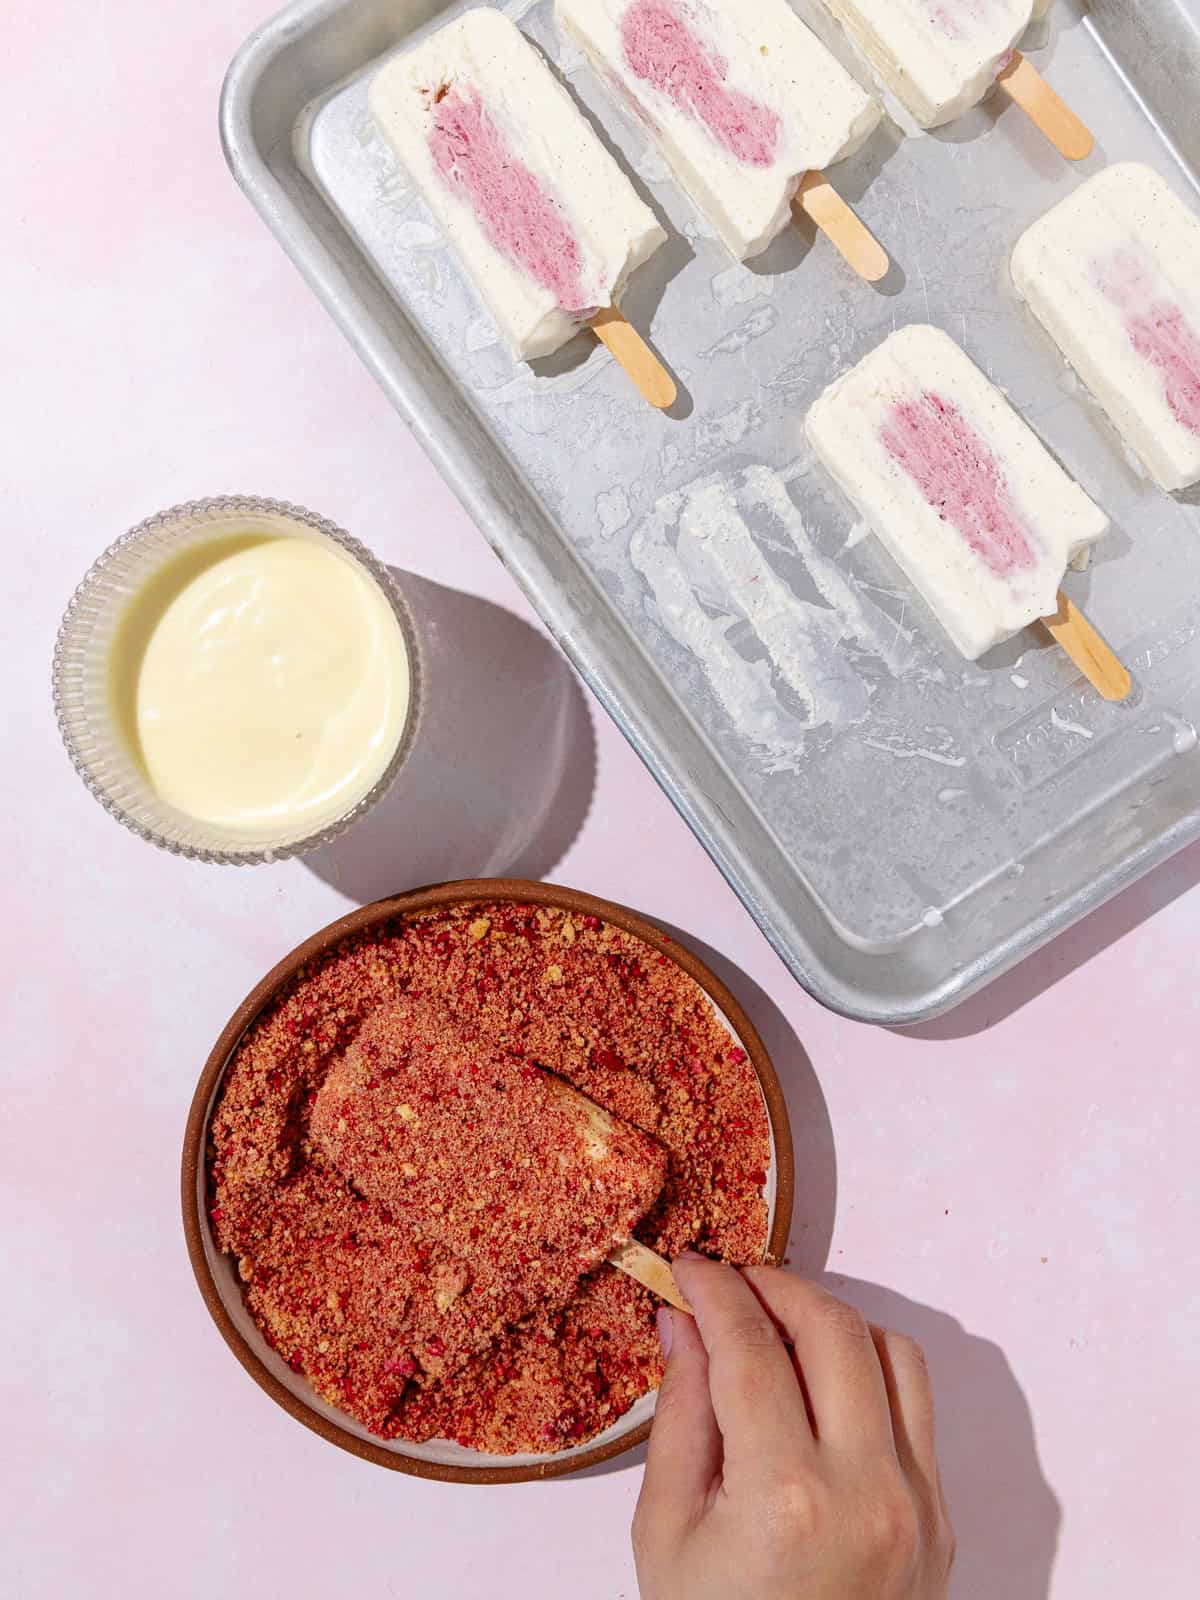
{"points": [[387, 1301], [526, 1182]]}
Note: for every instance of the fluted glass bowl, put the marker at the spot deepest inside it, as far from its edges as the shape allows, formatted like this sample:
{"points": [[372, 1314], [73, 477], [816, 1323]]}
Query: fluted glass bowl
{"points": [[82, 698]]}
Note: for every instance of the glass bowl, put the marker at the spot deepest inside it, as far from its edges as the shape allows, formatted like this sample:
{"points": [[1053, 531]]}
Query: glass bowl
{"points": [[82, 698]]}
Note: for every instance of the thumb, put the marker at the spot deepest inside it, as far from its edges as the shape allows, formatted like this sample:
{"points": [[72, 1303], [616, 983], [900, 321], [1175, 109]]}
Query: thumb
{"points": [[684, 1458]]}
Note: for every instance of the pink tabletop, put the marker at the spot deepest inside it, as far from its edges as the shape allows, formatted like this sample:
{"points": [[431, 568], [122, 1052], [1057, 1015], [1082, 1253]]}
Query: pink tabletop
{"points": [[1014, 1185]]}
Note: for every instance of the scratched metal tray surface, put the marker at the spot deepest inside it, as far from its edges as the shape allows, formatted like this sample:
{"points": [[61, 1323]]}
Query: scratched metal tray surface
{"points": [[903, 825]]}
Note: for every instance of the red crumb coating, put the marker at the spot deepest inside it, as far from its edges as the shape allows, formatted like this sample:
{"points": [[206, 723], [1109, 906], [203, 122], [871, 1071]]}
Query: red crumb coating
{"points": [[380, 1320], [525, 1182]]}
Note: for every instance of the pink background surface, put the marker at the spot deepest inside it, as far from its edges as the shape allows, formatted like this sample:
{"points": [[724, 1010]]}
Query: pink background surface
{"points": [[1016, 1185]]}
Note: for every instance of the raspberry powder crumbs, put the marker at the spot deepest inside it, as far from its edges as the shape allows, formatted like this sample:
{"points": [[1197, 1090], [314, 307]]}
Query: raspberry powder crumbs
{"points": [[418, 1211]]}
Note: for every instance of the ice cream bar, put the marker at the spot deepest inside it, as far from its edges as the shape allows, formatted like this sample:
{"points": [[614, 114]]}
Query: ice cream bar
{"points": [[543, 219], [526, 1182], [740, 97], [1113, 273], [965, 497], [938, 57]]}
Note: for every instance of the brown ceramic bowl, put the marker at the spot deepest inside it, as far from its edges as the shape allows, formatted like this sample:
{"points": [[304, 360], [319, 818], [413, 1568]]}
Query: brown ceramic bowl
{"points": [[217, 1277]]}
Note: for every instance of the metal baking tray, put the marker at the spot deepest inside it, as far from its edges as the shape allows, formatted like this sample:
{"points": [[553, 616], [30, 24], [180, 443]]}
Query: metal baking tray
{"points": [[902, 825]]}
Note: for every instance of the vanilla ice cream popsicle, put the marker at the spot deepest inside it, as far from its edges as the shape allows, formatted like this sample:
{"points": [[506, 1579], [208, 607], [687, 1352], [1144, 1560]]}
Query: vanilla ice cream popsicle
{"points": [[965, 497], [938, 57], [740, 97], [506, 1166], [1113, 274], [543, 219]]}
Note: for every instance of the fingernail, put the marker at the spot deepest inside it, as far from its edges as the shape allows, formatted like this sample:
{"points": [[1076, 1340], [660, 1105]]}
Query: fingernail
{"points": [[691, 1255], [666, 1330]]}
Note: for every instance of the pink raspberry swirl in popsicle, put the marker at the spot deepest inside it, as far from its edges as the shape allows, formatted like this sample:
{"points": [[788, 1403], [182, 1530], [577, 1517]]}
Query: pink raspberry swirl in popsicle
{"points": [[663, 50], [1158, 331], [521, 219], [955, 17], [960, 478]]}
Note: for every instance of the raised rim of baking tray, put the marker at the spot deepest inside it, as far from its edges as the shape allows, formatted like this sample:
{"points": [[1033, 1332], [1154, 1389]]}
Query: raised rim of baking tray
{"points": [[288, 63]]}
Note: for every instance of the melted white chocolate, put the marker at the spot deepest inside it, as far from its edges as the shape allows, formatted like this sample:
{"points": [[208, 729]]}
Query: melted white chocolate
{"points": [[262, 683]]}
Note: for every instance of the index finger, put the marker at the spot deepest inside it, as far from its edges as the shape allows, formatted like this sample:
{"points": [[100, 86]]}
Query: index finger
{"points": [[756, 1396]]}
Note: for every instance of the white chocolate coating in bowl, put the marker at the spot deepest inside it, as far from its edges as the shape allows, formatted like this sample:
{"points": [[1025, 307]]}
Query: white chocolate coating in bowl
{"points": [[262, 683]]}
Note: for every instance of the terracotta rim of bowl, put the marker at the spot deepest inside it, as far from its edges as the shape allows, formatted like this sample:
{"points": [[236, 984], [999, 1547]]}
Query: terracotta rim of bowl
{"points": [[453, 894]]}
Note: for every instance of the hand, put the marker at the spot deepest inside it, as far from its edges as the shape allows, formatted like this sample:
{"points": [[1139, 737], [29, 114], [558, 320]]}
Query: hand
{"points": [[806, 1473]]}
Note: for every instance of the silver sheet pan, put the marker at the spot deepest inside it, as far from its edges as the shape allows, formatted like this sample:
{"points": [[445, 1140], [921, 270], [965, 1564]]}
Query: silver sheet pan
{"points": [[902, 825]]}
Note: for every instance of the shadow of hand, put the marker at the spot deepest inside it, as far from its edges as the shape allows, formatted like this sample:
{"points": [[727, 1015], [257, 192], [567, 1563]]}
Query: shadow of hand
{"points": [[500, 779], [1005, 1514]]}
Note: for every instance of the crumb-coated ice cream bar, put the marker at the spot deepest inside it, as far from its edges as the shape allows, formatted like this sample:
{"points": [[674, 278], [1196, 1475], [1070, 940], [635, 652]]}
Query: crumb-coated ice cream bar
{"points": [[526, 1182], [938, 57], [963, 494], [1113, 274], [741, 99], [544, 221]]}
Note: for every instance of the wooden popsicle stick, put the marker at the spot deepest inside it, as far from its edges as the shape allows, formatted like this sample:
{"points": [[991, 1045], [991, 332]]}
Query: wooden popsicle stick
{"points": [[820, 201], [1024, 85], [640, 1262], [631, 351], [1093, 656]]}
